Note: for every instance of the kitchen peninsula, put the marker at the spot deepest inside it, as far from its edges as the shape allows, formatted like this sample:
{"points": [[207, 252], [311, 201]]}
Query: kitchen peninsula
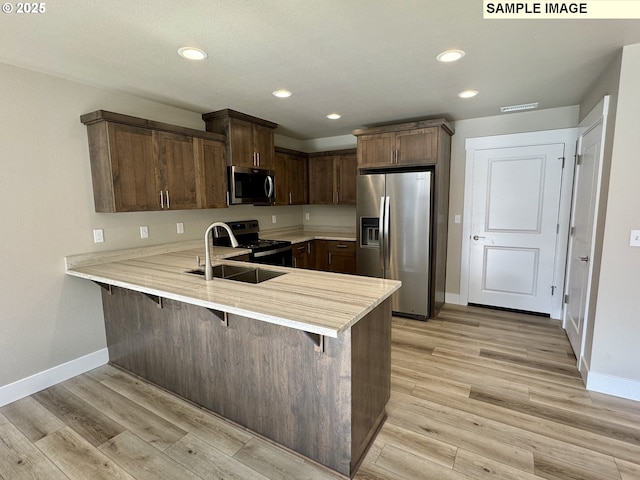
{"points": [[302, 359]]}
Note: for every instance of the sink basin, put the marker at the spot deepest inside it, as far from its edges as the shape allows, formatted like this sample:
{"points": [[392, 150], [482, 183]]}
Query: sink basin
{"points": [[239, 274], [255, 276]]}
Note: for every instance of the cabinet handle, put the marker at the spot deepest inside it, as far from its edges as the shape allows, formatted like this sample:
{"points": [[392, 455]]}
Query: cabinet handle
{"points": [[168, 204], [396, 157], [290, 198], [329, 258], [161, 200], [295, 262], [258, 155], [309, 247], [341, 246], [301, 248], [392, 152]]}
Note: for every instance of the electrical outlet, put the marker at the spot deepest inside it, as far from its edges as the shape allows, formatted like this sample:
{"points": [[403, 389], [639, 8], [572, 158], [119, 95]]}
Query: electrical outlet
{"points": [[306, 216], [634, 239], [144, 232], [273, 219], [180, 227], [98, 235]]}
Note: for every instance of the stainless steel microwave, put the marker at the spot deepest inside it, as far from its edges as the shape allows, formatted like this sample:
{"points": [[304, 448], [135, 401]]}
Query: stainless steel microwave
{"points": [[255, 186]]}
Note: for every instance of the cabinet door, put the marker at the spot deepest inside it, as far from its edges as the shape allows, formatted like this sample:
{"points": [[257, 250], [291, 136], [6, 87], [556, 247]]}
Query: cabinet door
{"points": [[321, 250], [376, 150], [240, 143], [417, 147], [212, 166], [263, 146], [347, 170], [298, 180], [133, 168], [281, 166], [321, 181], [177, 162]]}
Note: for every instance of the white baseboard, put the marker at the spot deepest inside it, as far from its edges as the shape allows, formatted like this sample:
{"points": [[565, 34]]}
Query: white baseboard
{"points": [[617, 386], [30, 385], [453, 298]]}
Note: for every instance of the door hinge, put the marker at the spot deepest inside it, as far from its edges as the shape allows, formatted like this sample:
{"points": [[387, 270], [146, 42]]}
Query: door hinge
{"points": [[561, 158], [572, 231], [566, 299], [557, 228], [553, 290], [578, 159]]}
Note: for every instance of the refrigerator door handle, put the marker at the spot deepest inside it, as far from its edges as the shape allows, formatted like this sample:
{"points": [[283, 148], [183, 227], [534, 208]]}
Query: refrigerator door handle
{"points": [[387, 240], [381, 234]]}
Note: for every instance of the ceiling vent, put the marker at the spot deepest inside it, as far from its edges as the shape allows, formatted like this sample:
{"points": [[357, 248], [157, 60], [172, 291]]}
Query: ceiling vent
{"points": [[517, 108]]}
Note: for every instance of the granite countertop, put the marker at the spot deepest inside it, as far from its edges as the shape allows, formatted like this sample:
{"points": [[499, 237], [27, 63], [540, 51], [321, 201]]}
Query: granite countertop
{"points": [[317, 302]]}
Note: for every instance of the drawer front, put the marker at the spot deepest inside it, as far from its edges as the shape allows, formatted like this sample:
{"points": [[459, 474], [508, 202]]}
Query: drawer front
{"points": [[341, 246]]}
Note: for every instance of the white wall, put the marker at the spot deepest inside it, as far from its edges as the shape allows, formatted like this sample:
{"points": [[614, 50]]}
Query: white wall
{"points": [[47, 318], [616, 339], [536, 120]]}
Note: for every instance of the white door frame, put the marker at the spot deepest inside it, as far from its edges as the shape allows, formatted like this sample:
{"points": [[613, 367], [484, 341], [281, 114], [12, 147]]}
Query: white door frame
{"points": [[568, 137]]}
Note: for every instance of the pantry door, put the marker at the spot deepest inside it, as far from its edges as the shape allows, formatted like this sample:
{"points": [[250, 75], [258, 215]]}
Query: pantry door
{"points": [[514, 226]]}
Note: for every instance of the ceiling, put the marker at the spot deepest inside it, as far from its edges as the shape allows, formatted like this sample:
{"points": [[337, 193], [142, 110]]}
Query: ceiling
{"points": [[373, 61]]}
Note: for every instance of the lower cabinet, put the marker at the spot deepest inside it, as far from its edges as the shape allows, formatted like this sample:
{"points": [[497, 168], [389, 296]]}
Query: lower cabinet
{"points": [[335, 256], [302, 255]]}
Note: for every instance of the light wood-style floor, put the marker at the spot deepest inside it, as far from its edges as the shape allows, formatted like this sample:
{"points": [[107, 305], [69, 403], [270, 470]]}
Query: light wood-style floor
{"points": [[476, 394]]}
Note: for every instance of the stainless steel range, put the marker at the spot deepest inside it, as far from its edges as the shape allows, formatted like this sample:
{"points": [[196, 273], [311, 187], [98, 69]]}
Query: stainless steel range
{"points": [[270, 252]]}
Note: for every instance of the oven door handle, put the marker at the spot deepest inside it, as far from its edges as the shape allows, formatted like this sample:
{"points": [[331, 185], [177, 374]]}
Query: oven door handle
{"points": [[272, 252]]}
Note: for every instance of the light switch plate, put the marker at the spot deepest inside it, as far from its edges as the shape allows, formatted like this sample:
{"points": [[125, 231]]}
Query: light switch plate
{"points": [[306, 216], [457, 219], [98, 235], [144, 232], [180, 227], [273, 219], [634, 239]]}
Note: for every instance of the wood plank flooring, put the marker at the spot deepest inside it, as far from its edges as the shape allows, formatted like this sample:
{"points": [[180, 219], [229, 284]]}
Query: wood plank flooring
{"points": [[476, 394]]}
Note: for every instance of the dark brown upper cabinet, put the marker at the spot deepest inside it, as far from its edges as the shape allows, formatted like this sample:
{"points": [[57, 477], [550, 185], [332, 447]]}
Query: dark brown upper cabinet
{"points": [[406, 144], [142, 165], [332, 177], [292, 177], [249, 139]]}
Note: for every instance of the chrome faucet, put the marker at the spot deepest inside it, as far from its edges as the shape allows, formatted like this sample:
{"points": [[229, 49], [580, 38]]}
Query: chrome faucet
{"points": [[208, 269]]}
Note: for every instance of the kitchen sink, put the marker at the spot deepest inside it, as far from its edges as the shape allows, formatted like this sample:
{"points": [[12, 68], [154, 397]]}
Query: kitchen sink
{"points": [[239, 274]]}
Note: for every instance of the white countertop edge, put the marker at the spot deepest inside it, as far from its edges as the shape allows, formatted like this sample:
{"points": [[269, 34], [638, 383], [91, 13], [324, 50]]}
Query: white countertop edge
{"points": [[220, 307]]}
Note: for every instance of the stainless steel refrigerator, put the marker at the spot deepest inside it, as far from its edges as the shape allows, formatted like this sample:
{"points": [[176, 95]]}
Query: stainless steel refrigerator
{"points": [[394, 212]]}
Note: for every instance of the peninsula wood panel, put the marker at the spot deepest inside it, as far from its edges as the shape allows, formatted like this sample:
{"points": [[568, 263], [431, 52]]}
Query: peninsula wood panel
{"points": [[266, 377]]}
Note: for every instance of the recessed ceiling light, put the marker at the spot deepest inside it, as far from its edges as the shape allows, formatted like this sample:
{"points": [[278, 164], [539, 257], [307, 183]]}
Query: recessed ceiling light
{"points": [[468, 93], [450, 56], [282, 93], [334, 116], [517, 108], [192, 53]]}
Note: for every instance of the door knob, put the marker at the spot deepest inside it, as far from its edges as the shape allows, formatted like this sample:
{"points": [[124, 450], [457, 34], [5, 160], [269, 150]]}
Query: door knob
{"points": [[584, 259], [476, 237]]}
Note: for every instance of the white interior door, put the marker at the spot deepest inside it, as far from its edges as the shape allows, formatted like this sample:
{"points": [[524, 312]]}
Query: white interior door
{"points": [[581, 233], [514, 224]]}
